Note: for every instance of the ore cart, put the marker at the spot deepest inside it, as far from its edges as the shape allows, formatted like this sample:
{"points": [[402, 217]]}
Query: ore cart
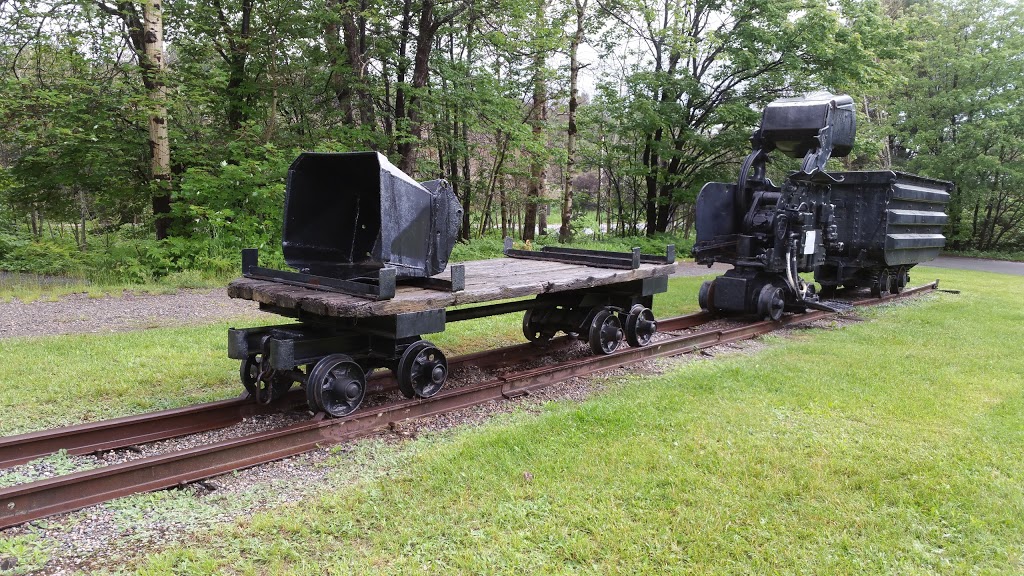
{"points": [[369, 248], [892, 221]]}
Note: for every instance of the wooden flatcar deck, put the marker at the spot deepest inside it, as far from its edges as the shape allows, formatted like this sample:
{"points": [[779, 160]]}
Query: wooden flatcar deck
{"points": [[486, 281]]}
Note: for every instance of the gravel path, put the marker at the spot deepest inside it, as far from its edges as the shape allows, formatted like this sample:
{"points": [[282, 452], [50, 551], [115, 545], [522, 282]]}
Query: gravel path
{"points": [[78, 313]]}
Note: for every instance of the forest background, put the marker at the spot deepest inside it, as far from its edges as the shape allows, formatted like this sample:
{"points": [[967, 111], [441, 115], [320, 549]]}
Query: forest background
{"points": [[146, 140]]}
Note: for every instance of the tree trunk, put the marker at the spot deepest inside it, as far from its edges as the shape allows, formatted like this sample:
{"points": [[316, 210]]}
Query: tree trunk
{"points": [[159, 145], [538, 115], [565, 230], [409, 146], [84, 207]]}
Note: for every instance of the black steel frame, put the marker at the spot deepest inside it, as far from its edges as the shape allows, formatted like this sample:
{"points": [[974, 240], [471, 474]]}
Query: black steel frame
{"points": [[594, 258], [383, 287]]}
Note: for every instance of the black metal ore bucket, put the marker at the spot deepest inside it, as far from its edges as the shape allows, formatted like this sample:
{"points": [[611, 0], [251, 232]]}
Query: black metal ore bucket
{"points": [[347, 215]]}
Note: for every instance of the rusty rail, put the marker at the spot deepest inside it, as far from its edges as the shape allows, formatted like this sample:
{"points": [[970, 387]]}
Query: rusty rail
{"points": [[127, 431], [26, 502], [138, 429]]}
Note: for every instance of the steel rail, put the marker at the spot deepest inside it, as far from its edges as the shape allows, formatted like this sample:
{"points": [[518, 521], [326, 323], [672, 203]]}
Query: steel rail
{"points": [[111, 434], [125, 431], [26, 502]]}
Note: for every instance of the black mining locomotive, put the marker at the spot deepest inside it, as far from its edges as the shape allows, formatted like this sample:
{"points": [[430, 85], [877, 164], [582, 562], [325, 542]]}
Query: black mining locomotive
{"points": [[851, 229]]}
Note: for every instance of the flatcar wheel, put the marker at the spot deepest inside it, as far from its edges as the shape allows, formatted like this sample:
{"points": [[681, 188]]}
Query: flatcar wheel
{"points": [[640, 326], [771, 302], [605, 332], [533, 330], [336, 385], [704, 296], [249, 372], [422, 370]]}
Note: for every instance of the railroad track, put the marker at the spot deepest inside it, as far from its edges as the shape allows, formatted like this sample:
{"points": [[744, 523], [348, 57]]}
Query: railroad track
{"points": [[34, 500]]}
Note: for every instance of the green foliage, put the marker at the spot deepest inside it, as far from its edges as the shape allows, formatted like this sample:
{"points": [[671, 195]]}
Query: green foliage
{"points": [[961, 114], [671, 92], [236, 203]]}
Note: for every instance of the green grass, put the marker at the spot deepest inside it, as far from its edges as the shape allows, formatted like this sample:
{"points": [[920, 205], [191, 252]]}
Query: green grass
{"points": [[58, 380], [890, 446], [1013, 256], [28, 288]]}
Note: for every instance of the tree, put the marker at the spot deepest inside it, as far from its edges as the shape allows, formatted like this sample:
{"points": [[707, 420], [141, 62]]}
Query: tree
{"points": [[144, 32], [580, 13], [703, 68], [961, 114]]}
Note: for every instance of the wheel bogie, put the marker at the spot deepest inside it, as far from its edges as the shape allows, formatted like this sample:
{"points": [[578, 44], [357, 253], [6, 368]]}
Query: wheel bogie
{"points": [[640, 326], [262, 382]]}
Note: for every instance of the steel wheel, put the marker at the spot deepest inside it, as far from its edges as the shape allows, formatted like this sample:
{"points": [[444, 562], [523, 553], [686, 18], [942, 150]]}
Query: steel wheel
{"points": [[640, 326], [605, 332], [534, 330], [771, 302], [336, 385], [898, 281], [249, 372], [422, 370], [704, 296], [880, 287], [263, 384]]}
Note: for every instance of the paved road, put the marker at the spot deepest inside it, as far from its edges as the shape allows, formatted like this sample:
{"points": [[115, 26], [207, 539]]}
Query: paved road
{"points": [[979, 264], [955, 262]]}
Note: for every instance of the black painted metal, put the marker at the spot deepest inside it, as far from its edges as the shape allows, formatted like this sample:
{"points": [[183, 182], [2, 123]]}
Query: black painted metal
{"points": [[348, 215], [849, 228], [380, 288], [595, 258], [668, 258]]}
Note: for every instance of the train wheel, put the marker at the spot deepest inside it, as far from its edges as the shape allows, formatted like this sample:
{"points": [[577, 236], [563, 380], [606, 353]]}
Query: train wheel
{"points": [[265, 385], [534, 331], [898, 281], [605, 332], [249, 372], [771, 302], [704, 296], [422, 370], [336, 385], [880, 287], [640, 326]]}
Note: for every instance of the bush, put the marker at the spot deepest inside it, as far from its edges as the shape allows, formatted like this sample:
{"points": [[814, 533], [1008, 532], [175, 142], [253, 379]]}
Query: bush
{"points": [[47, 257]]}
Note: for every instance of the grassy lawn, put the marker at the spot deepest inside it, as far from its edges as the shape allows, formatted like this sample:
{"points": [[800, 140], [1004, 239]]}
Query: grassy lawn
{"points": [[888, 446]]}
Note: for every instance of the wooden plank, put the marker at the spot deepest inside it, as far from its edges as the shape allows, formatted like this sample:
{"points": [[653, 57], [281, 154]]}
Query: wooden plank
{"points": [[486, 281]]}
